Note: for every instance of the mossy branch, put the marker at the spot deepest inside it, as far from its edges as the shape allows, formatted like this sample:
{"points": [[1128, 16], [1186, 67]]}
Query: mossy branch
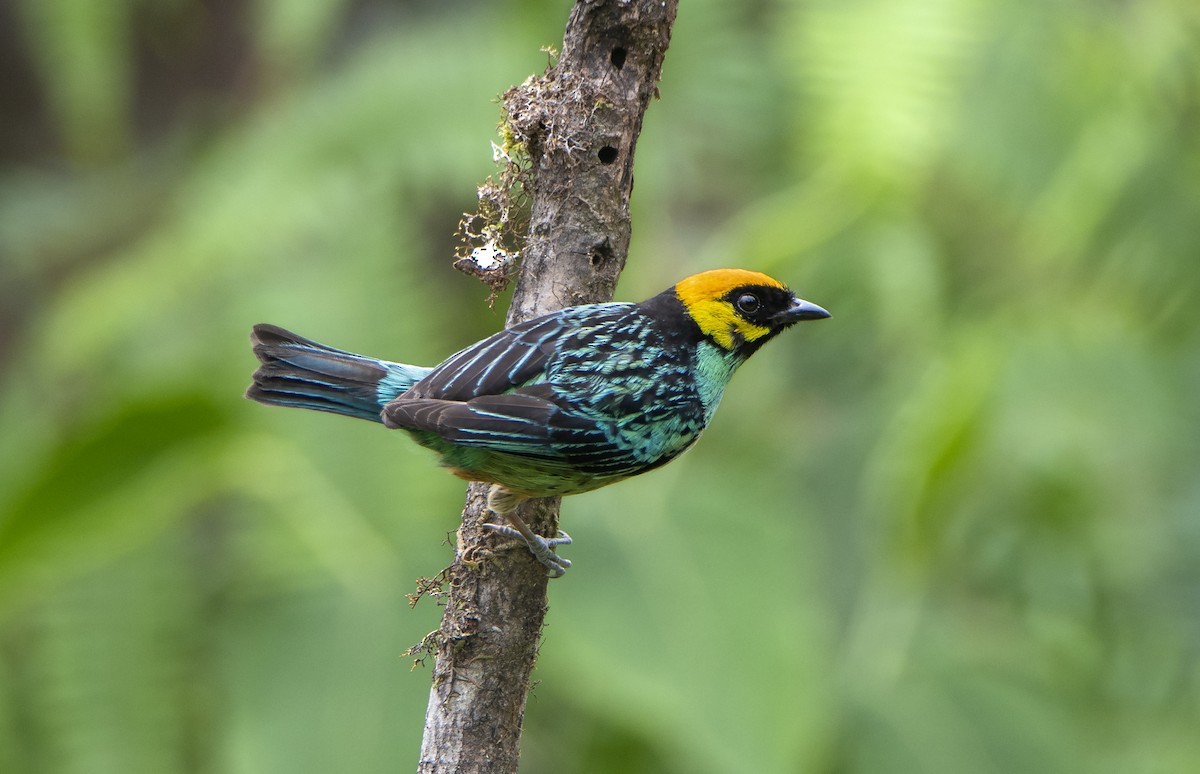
{"points": [[576, 127]]}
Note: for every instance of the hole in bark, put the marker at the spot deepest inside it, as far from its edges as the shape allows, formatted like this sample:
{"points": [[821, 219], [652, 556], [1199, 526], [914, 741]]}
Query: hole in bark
{"points": [[607, 154], [618, 57], [600, 255]]}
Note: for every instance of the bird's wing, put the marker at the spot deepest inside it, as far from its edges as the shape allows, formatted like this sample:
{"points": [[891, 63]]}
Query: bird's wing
{"points": [[493, 394], [517, 424], [513, 357], [525, 423]]}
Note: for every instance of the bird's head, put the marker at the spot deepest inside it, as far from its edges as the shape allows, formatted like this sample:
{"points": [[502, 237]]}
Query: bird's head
{"points": [[740, 310]]}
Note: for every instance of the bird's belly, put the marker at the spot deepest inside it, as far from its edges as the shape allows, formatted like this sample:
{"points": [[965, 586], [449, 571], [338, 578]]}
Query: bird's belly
{"points": [[531, 478], [537, 477], [619, 447]]}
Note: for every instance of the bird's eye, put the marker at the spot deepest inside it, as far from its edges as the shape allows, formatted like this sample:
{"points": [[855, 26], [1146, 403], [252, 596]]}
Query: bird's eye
{"points": [[748, 303]]}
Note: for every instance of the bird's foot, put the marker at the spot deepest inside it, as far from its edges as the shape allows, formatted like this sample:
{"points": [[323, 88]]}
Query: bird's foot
{"points": [[542, 548]]}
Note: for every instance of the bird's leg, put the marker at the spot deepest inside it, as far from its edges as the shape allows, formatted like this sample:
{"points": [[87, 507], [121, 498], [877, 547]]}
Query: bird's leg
{"points": [[504, 503]]}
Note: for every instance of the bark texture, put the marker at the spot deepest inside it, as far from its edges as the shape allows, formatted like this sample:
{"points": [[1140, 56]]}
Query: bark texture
{"points": [[579, 125]]}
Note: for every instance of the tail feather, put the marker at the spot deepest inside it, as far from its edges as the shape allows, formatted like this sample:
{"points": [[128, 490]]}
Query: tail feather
{"points": [[300, 373]]}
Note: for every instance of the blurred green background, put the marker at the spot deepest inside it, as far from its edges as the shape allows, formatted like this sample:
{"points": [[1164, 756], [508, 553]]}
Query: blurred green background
{"points": [[954, 529]]}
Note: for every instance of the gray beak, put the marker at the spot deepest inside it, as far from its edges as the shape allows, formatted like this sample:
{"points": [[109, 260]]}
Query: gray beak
{"points": [[803, 310]]}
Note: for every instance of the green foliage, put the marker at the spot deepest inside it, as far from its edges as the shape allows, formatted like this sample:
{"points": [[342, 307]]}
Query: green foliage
{"points": [[953, 529]]}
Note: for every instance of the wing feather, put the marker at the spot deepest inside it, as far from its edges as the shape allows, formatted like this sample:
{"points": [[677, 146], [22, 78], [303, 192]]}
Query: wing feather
{"points": [[511, 358], [517, 423], [492, 395]]}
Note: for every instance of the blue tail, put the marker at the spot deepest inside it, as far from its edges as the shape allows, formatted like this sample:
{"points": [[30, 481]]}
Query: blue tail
{"points": [[300, 373]]}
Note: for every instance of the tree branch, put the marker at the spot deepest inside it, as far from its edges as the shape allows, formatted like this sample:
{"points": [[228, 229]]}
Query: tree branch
{"points": [[579, 124]]}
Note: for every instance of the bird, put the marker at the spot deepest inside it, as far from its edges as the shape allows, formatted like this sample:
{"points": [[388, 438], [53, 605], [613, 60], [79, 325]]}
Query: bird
{"points": [[557, 405]]}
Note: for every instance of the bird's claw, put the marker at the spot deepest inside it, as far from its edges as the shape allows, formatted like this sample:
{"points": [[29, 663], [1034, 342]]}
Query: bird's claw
{"points": [[542, 548]]}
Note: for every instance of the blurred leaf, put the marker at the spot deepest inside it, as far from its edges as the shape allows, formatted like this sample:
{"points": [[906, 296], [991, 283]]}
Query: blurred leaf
{"points": [[82, 49], [88, 493], [293, 32], [879, 76]]}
